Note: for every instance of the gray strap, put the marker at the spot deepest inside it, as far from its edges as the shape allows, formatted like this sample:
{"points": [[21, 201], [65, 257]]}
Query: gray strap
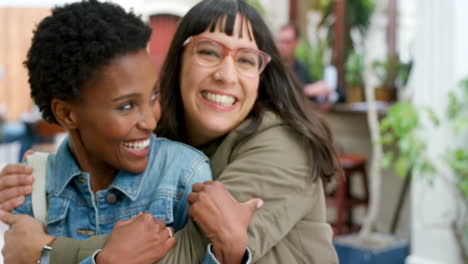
{"points": [[38, 161]]}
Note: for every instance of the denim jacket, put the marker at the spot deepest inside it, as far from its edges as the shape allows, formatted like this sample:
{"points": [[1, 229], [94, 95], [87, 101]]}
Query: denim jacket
{"points": [[74, 211]]}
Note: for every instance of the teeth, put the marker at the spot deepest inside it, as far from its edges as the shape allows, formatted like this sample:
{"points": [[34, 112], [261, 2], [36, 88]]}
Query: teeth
{"points": [[224, 100], [137, 145]]}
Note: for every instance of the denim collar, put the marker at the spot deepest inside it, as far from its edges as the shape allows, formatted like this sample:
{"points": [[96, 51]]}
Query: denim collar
{"points": [[66, 169]]}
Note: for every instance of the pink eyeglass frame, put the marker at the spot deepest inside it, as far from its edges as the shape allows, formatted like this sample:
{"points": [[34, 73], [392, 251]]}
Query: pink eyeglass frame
{"points": [[228, 51]]}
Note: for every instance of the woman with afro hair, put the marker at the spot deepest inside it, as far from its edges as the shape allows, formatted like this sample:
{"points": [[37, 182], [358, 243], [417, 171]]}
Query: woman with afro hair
{"points": [[90, 73]]}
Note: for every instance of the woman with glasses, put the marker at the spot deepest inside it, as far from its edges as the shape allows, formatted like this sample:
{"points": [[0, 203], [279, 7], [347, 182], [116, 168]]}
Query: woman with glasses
{"points": [[225, 91]]}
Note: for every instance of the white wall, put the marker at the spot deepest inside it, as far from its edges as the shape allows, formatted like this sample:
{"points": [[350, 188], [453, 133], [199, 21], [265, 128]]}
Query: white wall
{"points": [[441, 61], [406, 28], [172, 7], [277, 14], [277, 11]]}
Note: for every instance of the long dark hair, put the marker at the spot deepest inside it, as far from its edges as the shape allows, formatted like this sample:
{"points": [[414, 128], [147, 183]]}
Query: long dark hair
{"points": [[278, 90]]}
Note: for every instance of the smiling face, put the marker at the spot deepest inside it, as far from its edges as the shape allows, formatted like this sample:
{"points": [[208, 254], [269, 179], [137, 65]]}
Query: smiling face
{"points": [[116, 115], [217, 98]]}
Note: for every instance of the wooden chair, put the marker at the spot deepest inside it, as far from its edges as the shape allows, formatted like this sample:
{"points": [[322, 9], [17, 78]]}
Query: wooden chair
{"points": [[342, 198]]}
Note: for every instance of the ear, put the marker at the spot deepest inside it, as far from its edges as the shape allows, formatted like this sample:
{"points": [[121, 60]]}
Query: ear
{"points": [[64, 113]]}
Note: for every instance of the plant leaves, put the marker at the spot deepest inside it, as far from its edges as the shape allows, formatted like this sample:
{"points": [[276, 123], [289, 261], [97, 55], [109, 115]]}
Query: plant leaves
{"points": [[401, 166], [433, 116], [387, 160], [460, 124], [454, 106]]}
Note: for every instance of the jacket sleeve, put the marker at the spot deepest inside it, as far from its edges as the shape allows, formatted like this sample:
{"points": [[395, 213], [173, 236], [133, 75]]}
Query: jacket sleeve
{"points": [[275, 165], [68, 250], [190, 247]]}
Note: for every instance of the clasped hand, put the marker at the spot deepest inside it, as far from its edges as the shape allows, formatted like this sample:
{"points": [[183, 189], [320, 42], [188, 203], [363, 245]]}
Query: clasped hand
{"points": [[223, 220]]}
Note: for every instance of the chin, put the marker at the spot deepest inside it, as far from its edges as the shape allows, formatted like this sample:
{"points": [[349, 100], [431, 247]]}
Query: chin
{"points": [[219, 128], [137, 168]]}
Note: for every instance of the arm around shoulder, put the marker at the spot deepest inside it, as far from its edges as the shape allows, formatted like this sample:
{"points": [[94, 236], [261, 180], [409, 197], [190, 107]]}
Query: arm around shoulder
{"points": [[274, 165], [67, 250]]}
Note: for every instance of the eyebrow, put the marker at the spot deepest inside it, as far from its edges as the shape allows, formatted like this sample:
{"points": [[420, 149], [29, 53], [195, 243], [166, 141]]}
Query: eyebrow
{"points": [[133, 95], [127, 96]]}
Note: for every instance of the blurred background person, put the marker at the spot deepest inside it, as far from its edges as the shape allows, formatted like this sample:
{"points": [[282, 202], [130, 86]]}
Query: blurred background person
{"points": [[288, 40]]}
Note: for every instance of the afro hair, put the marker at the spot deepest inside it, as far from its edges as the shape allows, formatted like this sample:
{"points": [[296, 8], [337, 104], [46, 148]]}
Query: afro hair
{"points": [[73, 43]]}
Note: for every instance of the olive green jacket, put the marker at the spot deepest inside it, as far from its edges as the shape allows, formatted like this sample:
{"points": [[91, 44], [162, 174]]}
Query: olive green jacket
{"points": [[273, 164]]}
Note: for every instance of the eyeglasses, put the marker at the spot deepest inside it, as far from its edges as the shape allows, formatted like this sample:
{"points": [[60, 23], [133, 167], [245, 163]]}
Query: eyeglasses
{"points": [[210, 53]]}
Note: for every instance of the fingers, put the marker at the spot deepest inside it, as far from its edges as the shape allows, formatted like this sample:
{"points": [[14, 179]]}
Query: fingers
{"points": [[197, 187], [168, 235], [159, 226], [207, 191], [193, 212], [211, 182], [252, 205], [8, 218], [14, 192], [192, 198], [151, 222], [159, 223], [170, 243], [16, 168], [168, 232], [15, 179], [12, 203], [126, 222]]}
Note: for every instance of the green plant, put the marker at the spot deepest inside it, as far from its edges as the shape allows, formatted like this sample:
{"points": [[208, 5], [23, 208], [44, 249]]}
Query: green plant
{"points": [[457, 114], [357, 17], [407, 150], [353, 70], [312, 57], [404, 147], [392, 72]]}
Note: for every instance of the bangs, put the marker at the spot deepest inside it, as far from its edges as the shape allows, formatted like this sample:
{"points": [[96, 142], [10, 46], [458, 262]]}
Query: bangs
{"points": [[226, 23], [222, 15]]}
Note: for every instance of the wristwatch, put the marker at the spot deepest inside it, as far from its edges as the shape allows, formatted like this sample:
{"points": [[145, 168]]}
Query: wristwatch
{"points": [[45, 255]]}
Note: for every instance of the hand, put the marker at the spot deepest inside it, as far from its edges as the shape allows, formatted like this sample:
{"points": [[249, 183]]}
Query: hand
{"points": [[316, 89], [223, 220], [15, 183], [24, 240], [325, 107], [141, 239]]}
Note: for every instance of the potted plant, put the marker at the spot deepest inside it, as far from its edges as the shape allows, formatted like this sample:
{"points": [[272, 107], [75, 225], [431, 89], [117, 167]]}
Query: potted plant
{"points": [[357, 20], [353, 78], [392, 73], [368, 247]]}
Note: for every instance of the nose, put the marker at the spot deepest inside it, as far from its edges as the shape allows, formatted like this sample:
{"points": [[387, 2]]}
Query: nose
{"points": [[148, 117], [226, 71]]}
